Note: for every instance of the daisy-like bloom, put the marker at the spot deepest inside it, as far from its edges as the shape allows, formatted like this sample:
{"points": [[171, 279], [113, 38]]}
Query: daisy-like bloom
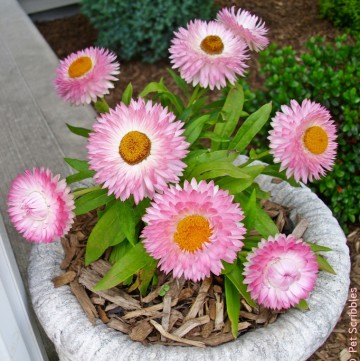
{"points": [[303, 140], [40, 206], [190, 230], [137, 149], [248, 27], [208, 54], [281, 272], [86, 75]]}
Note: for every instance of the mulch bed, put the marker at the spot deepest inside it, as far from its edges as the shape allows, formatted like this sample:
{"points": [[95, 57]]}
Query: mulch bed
{"points": [[175, 311]]}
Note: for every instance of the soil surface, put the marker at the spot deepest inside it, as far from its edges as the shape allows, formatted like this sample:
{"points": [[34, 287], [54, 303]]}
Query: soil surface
{"points": [[291, 22]]}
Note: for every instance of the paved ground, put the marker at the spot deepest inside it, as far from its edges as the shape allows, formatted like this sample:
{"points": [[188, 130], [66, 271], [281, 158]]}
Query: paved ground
{"points": [[32, 117]]}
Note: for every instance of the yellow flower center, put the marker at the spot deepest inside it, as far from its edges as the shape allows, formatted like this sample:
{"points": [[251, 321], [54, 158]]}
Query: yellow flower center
{"points": [[134, 147], [80, 67], [212, 45], [192, 232], [316, 140]]}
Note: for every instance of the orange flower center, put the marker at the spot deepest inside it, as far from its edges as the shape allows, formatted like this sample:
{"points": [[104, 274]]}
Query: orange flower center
{"points": [[212, 45], [134, 147], [316, 140], [192, 232], [80, 67]]}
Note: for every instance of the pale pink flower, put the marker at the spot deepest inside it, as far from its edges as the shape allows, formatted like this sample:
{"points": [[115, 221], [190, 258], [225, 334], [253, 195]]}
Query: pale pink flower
{"points": [[281, 272], [190, 230], [303, 140], [40, 206], [86, 75], [208, 54], [248, 27], [137, 149]]}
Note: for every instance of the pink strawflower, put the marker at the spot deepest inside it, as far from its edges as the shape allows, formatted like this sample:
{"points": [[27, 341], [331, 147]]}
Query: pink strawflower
{"points": [[86, 75], [190, 230], [40, 206], [281, 272], [208, 54], [303, 140], [248, 27], [137, 149]]}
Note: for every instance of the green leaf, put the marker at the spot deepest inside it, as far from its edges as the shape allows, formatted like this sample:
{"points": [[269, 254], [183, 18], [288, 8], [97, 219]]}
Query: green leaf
{"points": [[237, 279], [324, 265], [250, 209], [234, 186], [194, 128], [317, 248], [302, 305], [77, 177], [217, 169], [127, 94], [180, 82], [128, 220], [146, 274], [230, 113], [273, 170], [83, 132], [118, 251], [250, 128], [127, 266], [78, 164], [107, 232], [232, 298], [101, 106], [91, 201]]}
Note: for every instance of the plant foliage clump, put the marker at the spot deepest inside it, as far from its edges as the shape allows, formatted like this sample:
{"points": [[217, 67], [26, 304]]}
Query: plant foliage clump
{"points": [[142, 29], [328, 73], [342, 13]]}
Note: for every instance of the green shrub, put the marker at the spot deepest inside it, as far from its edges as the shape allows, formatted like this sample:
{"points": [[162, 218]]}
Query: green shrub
{"points": [[329, 74], [342, 13], [142, 28]]}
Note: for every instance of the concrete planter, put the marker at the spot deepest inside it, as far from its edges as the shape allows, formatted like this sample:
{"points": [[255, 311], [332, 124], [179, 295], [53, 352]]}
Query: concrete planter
{"points": [[294, 336]]}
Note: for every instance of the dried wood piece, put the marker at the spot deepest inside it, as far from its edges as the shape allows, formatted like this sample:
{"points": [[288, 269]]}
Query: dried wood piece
{"points": [[199, 301], [101, 267], [248, 308], [89, 279], [102, 314], [165, 320], [186, 293], [175, 315], [243, 326], [212, 309], [215, 340], [300, 228], [84, 300], [69, 246], [248, 315], [119, 325], [152, 295], [185, 328], [217, 289], [176, 338], [219, 318], [276, 180], [147, 311], [280, 220], [96, 300], [227, 326], [207, 329], [264, 316], [64, 279], [141, 331]]}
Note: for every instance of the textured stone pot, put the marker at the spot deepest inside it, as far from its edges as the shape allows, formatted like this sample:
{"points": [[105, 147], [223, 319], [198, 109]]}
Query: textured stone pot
{"points": [[293, 337]]}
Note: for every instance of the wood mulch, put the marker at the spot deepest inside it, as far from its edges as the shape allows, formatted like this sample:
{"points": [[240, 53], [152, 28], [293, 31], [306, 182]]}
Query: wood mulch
{"points": [[175, 311]]}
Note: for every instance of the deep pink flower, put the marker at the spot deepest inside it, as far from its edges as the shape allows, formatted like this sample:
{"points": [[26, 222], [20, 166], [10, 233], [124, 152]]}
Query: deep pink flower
{"points": [[281, 272], [208, 54], [190, 230], [303, 140], [86, 75], [247, 26], [40, 206], [137, 149]]}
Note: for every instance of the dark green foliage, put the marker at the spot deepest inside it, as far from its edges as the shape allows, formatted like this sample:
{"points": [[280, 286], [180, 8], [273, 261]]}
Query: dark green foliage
{"points": [[342, 13], [328, 74], [142, 28]]}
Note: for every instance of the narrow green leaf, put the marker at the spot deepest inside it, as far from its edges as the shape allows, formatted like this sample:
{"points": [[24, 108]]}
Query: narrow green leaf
{"points": [[217, 169], [101, 106], [127, 266], [91, 201], [107, 232], [250, 128], [234, 186], [237, 279], [118, 251], [180, 82], [194, 128], [302, 305], [78, 164], [250, 212], [324, 265], [77, 177], [127, 219], [317, 248], [232, 298], [230, 113], [83, 132], [127, 94]]}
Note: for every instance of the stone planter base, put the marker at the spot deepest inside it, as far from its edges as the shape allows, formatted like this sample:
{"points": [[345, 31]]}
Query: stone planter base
{"points": [[295, 336]]}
